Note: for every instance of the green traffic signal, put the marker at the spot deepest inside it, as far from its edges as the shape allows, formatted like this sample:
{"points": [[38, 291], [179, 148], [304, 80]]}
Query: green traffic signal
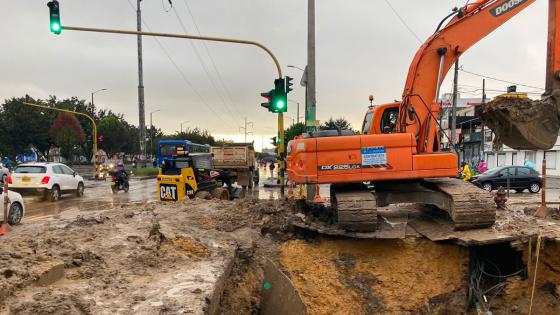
{"points": [[55, 27], [280, 100], [54, 15], [277, 99]]}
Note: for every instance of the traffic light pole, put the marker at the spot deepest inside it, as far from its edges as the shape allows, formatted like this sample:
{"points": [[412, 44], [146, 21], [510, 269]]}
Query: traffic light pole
{"points": [[281, 159], [185, 36], [281, 163], [79, 114]]}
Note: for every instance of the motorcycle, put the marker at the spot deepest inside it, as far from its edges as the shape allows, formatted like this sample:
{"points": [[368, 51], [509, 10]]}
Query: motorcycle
{"points": [[119, 183]]}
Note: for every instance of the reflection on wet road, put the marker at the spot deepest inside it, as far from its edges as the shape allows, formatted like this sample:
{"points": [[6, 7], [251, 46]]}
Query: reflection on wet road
{"points": [[97, 196]]}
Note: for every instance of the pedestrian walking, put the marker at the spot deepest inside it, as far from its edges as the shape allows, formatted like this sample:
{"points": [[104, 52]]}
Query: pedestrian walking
{"points": [[482, 166], [272, 167]]}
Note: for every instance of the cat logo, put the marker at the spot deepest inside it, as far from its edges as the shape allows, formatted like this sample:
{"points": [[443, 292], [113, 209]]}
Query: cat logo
{"points": [[168, 192]]}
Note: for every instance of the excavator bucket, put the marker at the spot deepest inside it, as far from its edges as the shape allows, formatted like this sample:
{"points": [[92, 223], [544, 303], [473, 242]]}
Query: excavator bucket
{"points": [[521, 123]]}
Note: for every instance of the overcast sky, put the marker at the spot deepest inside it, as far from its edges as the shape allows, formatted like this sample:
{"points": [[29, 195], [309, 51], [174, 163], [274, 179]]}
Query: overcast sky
{"points": [[362, 49]]}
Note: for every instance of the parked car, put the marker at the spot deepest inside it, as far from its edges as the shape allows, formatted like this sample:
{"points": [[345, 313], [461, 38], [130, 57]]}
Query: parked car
{"points": [[520, 178], [4, 173], [16, 207], [50, 180]]}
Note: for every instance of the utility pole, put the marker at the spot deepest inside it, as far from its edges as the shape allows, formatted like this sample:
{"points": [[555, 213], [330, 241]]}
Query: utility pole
{"points": [[310, 105], [454, 106], [141, 112], [245, 127], [483, 127], [152, 133]]}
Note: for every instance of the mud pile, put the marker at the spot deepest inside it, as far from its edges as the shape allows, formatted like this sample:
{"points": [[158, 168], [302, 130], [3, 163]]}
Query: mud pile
{"points": [[377, 276], [148, 259], [523, 124]]}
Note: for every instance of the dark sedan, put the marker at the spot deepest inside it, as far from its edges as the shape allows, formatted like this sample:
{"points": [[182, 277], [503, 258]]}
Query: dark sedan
{"points": [[520, 178]]}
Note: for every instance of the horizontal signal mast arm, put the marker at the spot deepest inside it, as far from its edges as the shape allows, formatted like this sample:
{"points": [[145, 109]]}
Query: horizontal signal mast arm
{"points": [[437, 55]]}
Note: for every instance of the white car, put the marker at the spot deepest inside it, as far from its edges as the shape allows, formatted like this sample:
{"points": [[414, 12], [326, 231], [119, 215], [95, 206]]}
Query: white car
{"points": [[16, 207], [51, 180]]}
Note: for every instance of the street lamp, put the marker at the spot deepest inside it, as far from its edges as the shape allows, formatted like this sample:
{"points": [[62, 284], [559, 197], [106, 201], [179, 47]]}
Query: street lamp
{"points": [[292, 66], [92, 93], [186, 121], [152, 133]]}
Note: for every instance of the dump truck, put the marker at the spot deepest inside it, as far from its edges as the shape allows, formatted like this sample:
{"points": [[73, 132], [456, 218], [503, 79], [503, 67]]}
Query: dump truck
{"points": [[238, 161]]}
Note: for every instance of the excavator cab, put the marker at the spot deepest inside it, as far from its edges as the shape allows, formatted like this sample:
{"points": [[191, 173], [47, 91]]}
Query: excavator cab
{"points": [[381, 119]]}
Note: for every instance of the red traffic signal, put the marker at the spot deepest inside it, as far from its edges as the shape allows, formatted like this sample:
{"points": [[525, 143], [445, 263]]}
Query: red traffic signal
{"points": [[100, 138]]}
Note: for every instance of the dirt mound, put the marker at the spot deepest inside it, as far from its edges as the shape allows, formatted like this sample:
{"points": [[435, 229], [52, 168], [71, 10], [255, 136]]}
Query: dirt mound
{"points": [[377, 276], [521, 123], [58, 303], [191, 247]]}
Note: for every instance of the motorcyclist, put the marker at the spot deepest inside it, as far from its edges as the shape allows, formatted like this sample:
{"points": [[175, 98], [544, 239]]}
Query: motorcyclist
{"points": [[121, 173]]}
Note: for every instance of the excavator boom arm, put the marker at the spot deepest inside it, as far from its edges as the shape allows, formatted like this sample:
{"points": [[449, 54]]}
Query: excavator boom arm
{"points": [[553, 53], [420, 105]]}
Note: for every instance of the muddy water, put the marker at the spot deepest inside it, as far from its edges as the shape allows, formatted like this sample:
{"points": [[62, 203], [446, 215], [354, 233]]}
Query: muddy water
{"points": [[97, 196]]}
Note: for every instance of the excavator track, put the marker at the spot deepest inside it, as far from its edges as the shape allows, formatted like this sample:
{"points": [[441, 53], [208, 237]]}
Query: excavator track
{"points": [[356, 210], [471, 207]]}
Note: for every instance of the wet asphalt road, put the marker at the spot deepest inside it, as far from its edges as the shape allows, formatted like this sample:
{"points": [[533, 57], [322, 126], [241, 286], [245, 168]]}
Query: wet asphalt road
{"points": [[98, 196]]}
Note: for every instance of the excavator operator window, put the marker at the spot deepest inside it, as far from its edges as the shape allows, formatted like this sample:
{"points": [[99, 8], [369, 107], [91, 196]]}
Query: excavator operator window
{"points": [[389, 120], [367, 123]]}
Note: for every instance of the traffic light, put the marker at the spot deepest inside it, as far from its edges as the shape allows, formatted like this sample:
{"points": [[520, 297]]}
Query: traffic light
{"points": [[273, 141], [100, 138], [280, 99], [289, 84], [268, 95], [54, 13], [277, 99]]}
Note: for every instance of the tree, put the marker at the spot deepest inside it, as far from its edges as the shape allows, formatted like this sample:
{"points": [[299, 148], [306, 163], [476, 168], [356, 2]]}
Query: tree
{"points": [[336, 124], [196, 135], [21, 126], [67, 132], [293, 131], [114, 133]]}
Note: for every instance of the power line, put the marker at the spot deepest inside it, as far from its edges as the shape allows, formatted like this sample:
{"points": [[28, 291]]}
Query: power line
{"points": [[499, 80], [403, 21], [228, 94], [203, 65], [183, 76]]}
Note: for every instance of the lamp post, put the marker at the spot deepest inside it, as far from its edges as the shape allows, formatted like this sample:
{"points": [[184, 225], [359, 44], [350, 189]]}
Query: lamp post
{"points": [[152, 133], [92, 93], [186, 121]]}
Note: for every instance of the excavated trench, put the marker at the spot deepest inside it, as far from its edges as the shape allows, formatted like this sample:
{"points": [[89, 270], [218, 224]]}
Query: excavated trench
{"points": [[410, 276], [313, 274]]}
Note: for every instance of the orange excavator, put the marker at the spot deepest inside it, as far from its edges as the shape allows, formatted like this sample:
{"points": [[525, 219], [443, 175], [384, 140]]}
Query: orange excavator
{"points": [[397, 157]]}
